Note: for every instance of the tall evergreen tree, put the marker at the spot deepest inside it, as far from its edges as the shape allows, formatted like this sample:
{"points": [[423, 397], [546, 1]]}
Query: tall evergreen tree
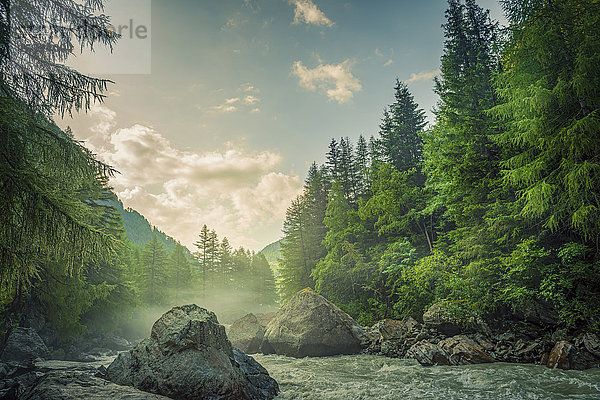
{"points": [[467, 153], [203, 254], [551, 86], [179, 271], [154, 264], [400, 143]]}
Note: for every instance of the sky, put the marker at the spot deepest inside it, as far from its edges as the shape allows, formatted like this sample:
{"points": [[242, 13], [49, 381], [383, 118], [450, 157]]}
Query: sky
{"points": [[232, 100]]}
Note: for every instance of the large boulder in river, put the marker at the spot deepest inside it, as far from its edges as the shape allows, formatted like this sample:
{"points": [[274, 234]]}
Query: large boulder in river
{"points": [[24, 345], [309, 325], [247, 333], [188, 356]]}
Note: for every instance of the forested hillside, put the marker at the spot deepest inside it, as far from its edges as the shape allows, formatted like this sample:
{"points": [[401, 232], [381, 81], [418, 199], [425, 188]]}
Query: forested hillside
{"points": [[272, 253], [494, 208], [139, 231]]}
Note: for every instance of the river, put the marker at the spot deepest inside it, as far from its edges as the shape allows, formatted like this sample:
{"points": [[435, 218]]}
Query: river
{"points": [[381, 378]]}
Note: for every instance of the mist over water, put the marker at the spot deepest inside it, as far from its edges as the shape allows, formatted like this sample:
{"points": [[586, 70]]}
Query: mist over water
{"points": [[374, 377], [229, 305]]}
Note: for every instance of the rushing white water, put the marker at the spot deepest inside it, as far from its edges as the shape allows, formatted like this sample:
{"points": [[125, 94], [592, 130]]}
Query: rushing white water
{"points": [[381, 378]]}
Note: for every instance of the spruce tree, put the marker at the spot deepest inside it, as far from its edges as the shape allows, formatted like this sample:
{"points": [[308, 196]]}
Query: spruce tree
{"points": [[551, 89], [179, 271], [154, 264], [402, 122], [203, 254]]}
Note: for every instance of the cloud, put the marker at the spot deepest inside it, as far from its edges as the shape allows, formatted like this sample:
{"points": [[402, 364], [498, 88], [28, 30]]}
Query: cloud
{"points": [[248, 87], [423, 76], [234, 104], [307, 12], [388, 63], [239, 193], [103, 117], [249, 100], [336, 81]]}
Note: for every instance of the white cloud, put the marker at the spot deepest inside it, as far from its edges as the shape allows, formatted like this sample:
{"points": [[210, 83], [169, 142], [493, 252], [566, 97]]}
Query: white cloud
{"points": [[104, 118], [423, 76], [336, 81], [388, 63], [227, 107], [249, 100], [248, 87], [239, 193], [307, 12]]}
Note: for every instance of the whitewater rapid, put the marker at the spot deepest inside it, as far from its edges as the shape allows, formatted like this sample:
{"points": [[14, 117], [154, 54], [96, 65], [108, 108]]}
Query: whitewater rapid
{"points": [[381, 378]]}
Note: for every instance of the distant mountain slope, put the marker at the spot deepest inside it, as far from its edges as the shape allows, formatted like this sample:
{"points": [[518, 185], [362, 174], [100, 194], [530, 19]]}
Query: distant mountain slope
{"points": [[140, 232], [273, 253]]}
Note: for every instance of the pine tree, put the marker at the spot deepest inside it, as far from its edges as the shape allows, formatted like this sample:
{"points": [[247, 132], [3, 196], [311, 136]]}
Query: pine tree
{"points": [[203, 254], [44, 172], [37, 37], [154, 264], [400, 143], [467, 154], [551, 86], [225, 261], [333, 160], [179, 271]]}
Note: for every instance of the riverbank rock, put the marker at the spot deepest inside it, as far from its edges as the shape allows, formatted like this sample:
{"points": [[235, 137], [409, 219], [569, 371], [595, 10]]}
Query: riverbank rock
{"points": [[566, 356], [309, 325], [463, 350], [392, 338], [24, 345], [186, 357], [76, 385], [441, 317], [428, 354], [247, 333]]}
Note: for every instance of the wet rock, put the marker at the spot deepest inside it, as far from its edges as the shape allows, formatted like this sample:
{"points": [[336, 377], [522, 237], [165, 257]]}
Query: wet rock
{"points": [[247, 334], [393, 338], [256, 374], [309, 325], [24, 345], [428, 354], [76, 385], [441, 317], [463, 350], [187, 356], [566, 356], [592, 343]]}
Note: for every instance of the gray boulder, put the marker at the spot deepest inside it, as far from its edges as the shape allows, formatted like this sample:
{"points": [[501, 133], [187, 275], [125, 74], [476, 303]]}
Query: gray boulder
{"points": [[186, 357], [247, 334], [309, 325], [24, 345], [76, 385]]}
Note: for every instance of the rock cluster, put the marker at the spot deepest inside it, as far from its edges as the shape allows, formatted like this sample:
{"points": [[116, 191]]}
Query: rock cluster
{"points": [[447, 339]]}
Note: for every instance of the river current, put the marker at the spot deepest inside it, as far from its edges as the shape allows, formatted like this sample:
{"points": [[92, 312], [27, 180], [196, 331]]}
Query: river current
{"points": [[381, 378]]}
